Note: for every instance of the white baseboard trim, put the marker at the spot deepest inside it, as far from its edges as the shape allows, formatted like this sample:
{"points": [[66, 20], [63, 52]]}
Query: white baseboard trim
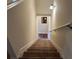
{"points": [[59, 49], [24, 48]]}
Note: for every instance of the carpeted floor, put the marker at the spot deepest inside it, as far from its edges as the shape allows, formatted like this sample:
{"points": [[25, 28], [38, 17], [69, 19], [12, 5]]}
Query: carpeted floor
{"points": [[42, 49]]}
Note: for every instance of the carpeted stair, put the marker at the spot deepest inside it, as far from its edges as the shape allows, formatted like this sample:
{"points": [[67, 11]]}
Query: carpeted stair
{"points": [[42, 49]]}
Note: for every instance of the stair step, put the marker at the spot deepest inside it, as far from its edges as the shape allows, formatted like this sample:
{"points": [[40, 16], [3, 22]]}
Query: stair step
{"points": [[41, 55], [41, 58], [41, 52], [43, 48]]}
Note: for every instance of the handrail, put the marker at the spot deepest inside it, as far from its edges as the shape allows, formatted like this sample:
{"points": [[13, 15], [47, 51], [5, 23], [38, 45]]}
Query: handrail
{"points": [[69, 25], [13, 4]]}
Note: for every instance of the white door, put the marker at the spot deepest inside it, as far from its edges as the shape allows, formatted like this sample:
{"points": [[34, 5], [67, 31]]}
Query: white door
{"points": [[43, 27]]}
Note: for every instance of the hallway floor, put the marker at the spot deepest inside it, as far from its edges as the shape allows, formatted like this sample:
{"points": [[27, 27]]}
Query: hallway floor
{"points": [[42, 49]]}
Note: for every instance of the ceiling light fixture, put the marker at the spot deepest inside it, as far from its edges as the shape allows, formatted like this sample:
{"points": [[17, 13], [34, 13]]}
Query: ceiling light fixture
{"points": [[52, 6]]}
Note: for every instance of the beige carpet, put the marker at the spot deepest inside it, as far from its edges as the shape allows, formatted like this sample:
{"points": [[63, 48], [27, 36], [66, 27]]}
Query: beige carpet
{"points": [[42, 49]]}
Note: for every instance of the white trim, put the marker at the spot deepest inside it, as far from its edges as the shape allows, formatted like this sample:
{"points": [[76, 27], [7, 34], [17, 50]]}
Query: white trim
{"points": [[24, 48], [13, 4]]}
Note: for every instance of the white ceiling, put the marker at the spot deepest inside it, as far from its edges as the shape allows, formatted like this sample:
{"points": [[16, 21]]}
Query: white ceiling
{"points": [[42, 6]]}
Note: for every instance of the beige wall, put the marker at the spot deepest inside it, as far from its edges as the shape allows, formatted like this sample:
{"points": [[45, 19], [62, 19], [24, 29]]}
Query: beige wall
{"points": [[62, 38], [9, 1], [62, 12], [21, 24]]}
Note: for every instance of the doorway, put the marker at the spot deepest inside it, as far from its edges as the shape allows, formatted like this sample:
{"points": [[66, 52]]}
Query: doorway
{"points": [[43, 27]]}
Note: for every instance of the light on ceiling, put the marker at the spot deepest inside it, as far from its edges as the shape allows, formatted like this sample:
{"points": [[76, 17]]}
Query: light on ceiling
{"points": [[51, 6]]}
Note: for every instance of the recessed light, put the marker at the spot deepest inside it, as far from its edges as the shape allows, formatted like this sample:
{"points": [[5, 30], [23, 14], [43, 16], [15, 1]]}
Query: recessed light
{"points": [[52, 6]]}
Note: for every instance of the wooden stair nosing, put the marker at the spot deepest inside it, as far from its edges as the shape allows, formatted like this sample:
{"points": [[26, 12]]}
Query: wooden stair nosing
{"points": [[40, 58], [42, 52], [41, 55]]}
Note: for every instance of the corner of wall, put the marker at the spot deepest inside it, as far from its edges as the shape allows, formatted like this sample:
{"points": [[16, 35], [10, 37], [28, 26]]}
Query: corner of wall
{"points": [[59, 49], [25, 47]]}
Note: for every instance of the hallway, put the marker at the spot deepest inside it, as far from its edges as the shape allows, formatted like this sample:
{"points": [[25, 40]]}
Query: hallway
{"points": [[41, 49], [31, 22]]}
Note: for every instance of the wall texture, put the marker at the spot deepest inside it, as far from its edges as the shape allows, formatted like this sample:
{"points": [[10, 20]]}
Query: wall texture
{"points": [[62, 38], [21, 25]]}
